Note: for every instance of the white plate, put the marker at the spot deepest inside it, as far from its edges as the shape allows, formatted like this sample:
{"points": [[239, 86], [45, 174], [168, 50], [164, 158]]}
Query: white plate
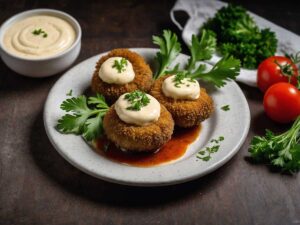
{"points": [[232, 124]]}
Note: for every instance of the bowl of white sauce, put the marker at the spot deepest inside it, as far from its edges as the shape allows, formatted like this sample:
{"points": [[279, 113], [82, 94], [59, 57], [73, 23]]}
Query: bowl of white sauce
{"points": [[40, 42]]}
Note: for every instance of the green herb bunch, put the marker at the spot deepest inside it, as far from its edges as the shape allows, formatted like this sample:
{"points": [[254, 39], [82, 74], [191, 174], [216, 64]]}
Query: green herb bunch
{"points": [[282, 151], [238, 35]]}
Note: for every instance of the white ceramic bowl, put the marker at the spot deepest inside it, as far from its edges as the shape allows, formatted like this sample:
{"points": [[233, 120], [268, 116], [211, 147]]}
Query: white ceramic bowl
{"points": [[46, 66]]}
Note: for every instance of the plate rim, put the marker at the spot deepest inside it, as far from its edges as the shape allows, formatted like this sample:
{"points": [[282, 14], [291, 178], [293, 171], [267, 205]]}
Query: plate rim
{"points": [[210, 168]]}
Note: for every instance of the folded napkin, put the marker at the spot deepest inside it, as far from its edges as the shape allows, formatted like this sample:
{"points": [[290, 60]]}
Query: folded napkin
{"points": [[200, 10]]}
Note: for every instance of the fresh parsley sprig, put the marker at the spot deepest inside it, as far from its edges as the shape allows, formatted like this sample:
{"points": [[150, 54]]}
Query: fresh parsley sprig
{"points": [[225, 108], [282, 151], [120, 65], [227, 68], [84, 116], [169, 50], [137, 99], [201, 48]]}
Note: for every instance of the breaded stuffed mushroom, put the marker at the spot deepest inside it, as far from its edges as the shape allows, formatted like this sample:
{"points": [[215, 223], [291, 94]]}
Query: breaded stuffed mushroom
{"points": [[184, 99], [119, 72], [137, 122]]}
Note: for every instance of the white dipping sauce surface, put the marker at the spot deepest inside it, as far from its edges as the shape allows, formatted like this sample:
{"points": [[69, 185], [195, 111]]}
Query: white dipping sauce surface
{"points": [[39, 36]]}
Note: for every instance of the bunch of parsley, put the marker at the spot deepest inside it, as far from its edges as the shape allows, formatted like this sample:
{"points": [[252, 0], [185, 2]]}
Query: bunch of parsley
{"points": [[238, 35], [282, 151], [201, 49]]}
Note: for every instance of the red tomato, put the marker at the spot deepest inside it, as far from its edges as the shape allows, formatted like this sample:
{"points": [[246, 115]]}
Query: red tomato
{"points": [[282, 102], [269, 73]]}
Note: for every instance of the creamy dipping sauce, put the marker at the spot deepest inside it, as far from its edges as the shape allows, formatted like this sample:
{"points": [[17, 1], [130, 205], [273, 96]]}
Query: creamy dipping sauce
{"points": [[147, 114], [189, 90], [39, 36], [111, 75]]}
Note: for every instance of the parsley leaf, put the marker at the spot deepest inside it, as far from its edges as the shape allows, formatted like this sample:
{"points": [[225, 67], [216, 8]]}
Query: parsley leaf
{"points": [[205, 154], [92, 128], [137, 99], [69, 93], [202, 48], [169, 50], [84, 117], [39, 31], [99, 101], [120, 65], [224, 70], [282, 151], [225, 108]]}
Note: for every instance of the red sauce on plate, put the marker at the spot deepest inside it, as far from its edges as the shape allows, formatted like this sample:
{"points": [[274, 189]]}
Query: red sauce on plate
{"points": [[172, 150]]}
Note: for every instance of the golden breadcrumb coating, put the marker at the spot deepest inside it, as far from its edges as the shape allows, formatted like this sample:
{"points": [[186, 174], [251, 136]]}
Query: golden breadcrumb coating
{"points": [[142, 79], [186, 113], [138, 138]]}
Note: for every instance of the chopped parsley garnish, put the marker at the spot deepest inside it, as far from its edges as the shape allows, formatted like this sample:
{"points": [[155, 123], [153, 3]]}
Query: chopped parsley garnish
{"points": [[120, 65], [84, 116], [40, 31], [205, 154], [137, 99], [69, 93], [179, 78], [225, 108]]}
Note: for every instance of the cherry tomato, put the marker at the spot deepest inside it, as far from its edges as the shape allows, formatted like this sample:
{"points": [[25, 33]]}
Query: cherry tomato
{"points": [[269, 73], [282, 102]]}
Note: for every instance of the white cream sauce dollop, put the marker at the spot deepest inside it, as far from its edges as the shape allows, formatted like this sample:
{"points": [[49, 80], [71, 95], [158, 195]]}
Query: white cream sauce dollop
{"points": [[188, 90], [111, 75], [146, 115]]}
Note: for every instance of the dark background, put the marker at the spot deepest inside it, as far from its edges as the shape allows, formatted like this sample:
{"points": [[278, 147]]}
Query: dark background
{"points": [[37, 186]]}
